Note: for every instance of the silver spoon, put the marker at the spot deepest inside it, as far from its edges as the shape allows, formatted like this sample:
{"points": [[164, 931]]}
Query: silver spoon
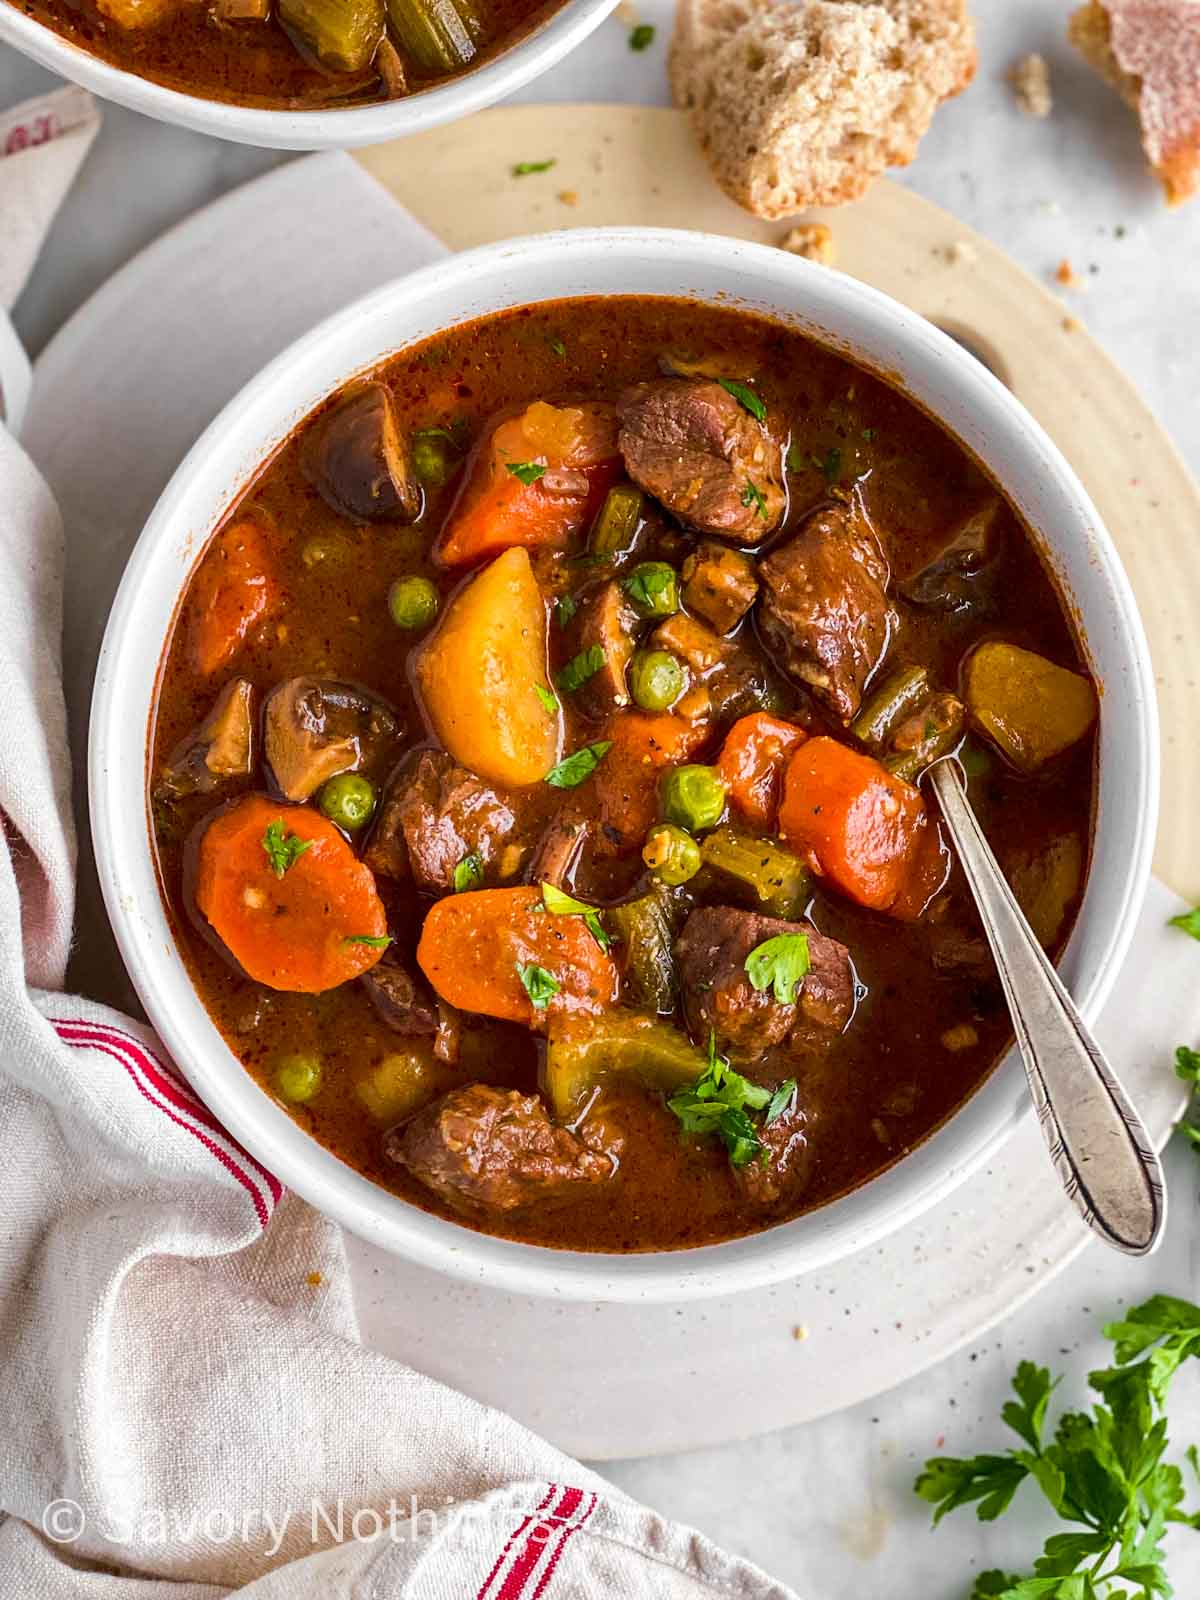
{"points": [[1099, 1146]]}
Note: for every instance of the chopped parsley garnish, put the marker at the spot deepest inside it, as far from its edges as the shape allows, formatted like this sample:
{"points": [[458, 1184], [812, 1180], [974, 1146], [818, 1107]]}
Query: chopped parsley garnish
{"points": [[468, 874], [376, 941], [549, 703], [641, 37], [283, 850], [781, 1101], [565, 905], [540, 985], [831, 467], [752, 495], [1189, 921], [565, 608], [869, 434], [745, 397], [795, 460], [579, 669], [527, 471], [779, 964], [558, 347], [1103, 1472], [719, 1104], [522, 169], [571, 772], [1187, 1067]]}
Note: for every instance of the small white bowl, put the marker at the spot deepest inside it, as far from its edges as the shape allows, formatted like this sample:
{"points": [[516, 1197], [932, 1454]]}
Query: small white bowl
{"points": [[864, 325], [338, 129]]}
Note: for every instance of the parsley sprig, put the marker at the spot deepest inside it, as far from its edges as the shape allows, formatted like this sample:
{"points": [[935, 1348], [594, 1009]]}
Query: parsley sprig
{"points": [[720, 1102], [561, 904], [283, 849], [1102, 1472]]}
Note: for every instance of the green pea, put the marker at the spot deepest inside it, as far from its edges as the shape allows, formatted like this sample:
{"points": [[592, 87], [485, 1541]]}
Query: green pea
{"points": [[413, 602], [656, 679], [431, 457], [671, 854], [653, 587], [297, 1078], [324, 549], [348, 800], [693, 797]]}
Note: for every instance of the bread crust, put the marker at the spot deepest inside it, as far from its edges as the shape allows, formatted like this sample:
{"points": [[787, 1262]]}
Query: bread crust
{"points": [[1149, 50], [797, 103]]}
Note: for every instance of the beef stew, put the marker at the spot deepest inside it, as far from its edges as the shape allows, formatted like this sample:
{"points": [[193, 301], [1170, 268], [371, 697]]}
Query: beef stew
{"points": [[535, 775]]}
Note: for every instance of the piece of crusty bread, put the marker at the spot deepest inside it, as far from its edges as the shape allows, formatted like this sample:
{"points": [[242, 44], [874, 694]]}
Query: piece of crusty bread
{"points": [[1149, 50], [803, 102]]}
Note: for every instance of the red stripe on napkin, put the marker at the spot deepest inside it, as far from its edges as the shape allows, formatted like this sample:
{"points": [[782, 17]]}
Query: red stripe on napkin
{"points": [[154, 1083]]}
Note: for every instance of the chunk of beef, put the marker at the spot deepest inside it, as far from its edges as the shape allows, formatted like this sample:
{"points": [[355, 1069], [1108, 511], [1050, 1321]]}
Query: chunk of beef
{"points": [[719, 585], [689, 443], [434, 815], [719, 998], [404, 1002], [789, 1161], [498, 1149], [824, 611], [952, 580]]}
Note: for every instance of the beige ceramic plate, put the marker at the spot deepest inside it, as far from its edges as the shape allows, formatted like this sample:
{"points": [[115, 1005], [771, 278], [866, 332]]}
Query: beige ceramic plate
{"points": [[910, 249]]}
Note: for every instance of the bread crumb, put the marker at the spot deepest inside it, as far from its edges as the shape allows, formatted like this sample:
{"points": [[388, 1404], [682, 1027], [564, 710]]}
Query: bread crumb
{"points": [[1030, 79], [961, 1037], [962, 253], [569, 197], [1071, 324], [314, 1280], [1067, 276], [800, 1332], [813, 241], [880, 1129]]}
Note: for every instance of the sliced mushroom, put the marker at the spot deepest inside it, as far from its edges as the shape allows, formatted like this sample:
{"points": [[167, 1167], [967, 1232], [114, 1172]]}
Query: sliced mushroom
{"points": [[221, 747], [950, 581], [559, 850], [315, 728], [389, 64], [358, 461], [607, 623]]}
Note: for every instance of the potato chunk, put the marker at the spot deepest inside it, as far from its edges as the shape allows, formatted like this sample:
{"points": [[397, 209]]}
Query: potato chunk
{"points": [[481, 671], [1033, 709]]}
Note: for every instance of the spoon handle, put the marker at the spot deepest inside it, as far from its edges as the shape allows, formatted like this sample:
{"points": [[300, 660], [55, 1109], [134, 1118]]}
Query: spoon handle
{"points": [[1096, 1139]]}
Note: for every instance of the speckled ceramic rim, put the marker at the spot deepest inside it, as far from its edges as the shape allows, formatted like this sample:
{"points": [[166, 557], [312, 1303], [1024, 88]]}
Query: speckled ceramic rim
{"points": [[344, 129], [842, 312]]}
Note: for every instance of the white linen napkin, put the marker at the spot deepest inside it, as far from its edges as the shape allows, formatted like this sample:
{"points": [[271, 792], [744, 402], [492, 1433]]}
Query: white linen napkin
{"points": [[187, 1411]]}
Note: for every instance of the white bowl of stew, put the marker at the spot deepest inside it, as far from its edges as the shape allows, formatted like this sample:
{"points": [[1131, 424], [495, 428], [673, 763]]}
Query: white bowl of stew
{"points": [[793, 542], [276, 73]]}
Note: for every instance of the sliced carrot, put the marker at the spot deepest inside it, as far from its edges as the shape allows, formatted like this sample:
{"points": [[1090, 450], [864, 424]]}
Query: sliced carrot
{"points": [[536, 479], [474, 947], [625, 785], [235, 588], [752, 762], [862, 827], [301, 931]]}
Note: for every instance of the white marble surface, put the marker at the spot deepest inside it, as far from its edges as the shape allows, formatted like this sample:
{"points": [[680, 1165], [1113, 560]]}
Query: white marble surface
{"points": [[828, 1506]]}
